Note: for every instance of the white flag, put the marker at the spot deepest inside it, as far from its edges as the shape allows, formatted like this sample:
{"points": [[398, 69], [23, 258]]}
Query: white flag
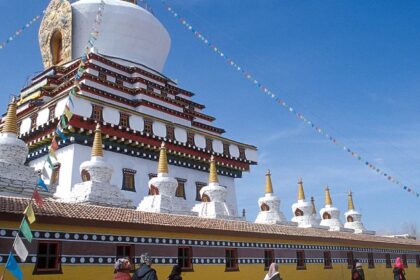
{"points": [[20, 249]]}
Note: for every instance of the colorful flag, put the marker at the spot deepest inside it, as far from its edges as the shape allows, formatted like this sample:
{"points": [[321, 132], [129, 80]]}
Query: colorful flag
{"points": [[26, 230], [68, 113], [42, 184], [52, 153], [38, 198], [50, 162], [54, 144], [29, 212], [61, 134], [20, 249], [63, 121], [13, 267], [71, 96]]}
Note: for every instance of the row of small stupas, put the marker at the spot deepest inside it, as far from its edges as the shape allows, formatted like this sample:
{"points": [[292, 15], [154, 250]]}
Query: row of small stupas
{"points": [[161, 199]]}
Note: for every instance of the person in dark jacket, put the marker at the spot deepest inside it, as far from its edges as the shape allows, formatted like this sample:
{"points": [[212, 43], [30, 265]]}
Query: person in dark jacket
{"points": [[176, 273], [399, 273], [273, 273], [145, 272], [357, 272]]}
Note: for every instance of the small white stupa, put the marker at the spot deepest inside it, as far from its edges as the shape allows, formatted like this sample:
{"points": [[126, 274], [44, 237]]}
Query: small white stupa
{"points": [[330, 215], [270, 206], [303, 211], [97, 189], [16, 178], [213, 197], [162, 188], [354, 218]]}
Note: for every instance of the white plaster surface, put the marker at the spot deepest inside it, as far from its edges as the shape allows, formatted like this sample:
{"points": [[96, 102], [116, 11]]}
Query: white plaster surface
{"points": [[181, 135], [59, 108], [273, 215], [42, 116], [199, 140], [217, 146], [251, 154], [234, 150], [159, 129], [12, 149], [25, 126], [308, 219], [111, 115], [137, 123], [334, 223], [82, 107]]}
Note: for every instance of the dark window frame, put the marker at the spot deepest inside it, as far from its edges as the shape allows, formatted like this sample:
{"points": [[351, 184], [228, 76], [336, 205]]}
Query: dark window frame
{"points": [[231, 258], [57, 263], [350, 259], [127, 174], [170, 132], [417, 260], [404, 260], [102, 76], [388, 263], [327, 260], [198, 187], [131, 256], [33, 118], [185, 258], [300, 260], [51, 112], [181, 186], [371, 260], [124, 120], [269, 258], [97, 113], [148, 126]]}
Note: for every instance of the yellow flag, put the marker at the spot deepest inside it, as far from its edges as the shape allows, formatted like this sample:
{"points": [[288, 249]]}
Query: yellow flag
{"points": [[29, 212], [68, 114], [52, 153]]}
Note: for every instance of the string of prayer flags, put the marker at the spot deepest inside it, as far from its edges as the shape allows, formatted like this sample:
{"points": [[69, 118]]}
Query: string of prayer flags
{"points": [[265, 90], [42, 184], [38, 198], [20, 248], [26, 230], [29, 212], [12, 266], [54, 144]]}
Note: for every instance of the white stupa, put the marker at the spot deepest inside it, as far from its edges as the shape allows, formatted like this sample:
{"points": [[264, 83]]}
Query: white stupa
{"points": [[269, 206], [97, 189], [162, 188], [17, 179], [354, 218], [330, 215], [303, 211]]}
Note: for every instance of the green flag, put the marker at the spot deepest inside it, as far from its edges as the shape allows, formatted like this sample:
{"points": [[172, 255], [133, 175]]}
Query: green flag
{"points": [[26, 230]]}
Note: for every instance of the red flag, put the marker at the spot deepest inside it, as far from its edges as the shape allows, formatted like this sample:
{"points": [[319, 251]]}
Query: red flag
{"points": [[38, 198], [54, 144]]}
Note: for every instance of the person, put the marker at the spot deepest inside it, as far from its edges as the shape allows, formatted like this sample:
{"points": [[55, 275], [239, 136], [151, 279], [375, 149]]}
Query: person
{"points": [[273, 273], [176, 273], [122, 268], [399, 273], [145, 272], [357, 272]]}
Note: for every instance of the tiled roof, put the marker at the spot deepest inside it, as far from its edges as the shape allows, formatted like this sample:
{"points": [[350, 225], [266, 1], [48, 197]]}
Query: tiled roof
{"points": [[17, 205]]}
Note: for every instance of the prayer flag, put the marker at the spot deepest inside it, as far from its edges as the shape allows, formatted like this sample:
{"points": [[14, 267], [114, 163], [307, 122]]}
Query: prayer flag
{"points": [[42, 184], [61, 134], [68, 113], [63, 121], [54, 144], [52, 153], [13, 267], [26, 230], [50, 162], [20, 249], [71, 98], [38, 198], [29, 212]]}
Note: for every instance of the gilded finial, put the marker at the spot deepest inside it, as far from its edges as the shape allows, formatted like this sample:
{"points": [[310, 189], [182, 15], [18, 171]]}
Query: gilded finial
{"points": [[328, 200], [97, 143], [313, 205], [10, 123], [350, 201], [301, 192], [163, 160], [213, 171], [268, 184]]}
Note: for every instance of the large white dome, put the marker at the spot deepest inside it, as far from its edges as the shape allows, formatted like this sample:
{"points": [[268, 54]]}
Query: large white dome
{"points": [[127, 31]]}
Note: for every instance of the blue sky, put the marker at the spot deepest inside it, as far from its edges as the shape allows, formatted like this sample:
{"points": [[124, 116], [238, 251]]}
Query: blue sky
{"points": [[350, 66]]}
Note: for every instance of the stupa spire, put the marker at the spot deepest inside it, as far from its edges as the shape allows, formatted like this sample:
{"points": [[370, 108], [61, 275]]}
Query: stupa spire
{"points": [[213, 171], [268, 183], [97, 143], [163, 160], [10, 123], [350, 202], [313, 205], [328, 200], [301, 192]]}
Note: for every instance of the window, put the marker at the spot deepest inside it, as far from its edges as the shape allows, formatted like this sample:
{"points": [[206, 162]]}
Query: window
{"points": [[298, 212], [128, 183], [242, 153], [102, 76], [85, 175], [209, 144], [152, 190], [300, 260], [170, 132], [56, 47], [388, 261], [148, 126], [268, 258], [350, 219], [124, 120], [226, 149], [417, 260], [371, 261], [180, 190], [327, 259], [126, 251], [232, 259], [149, 88], [404, 259], [326, 216], [48, 258], [264, 207], [97, 113], [55, 175], [185, 258], [190, 138], [33, 121], [198, 186], [119, 81], [350, 259], [51, 112]]}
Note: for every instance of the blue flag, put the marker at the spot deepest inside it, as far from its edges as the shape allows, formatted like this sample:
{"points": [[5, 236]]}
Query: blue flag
{"points": [[13, 267], [42, 184], [61, 134]]}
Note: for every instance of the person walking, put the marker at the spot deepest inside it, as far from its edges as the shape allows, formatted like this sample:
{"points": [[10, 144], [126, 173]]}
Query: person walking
{"points": [[357, 272], [399, 272], [273, 273], [122, 268], [175, 273], [145, 272]]}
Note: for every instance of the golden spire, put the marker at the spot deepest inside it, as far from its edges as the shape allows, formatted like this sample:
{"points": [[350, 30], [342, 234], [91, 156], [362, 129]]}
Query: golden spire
{"points": [[268, 184], [301, 192], [10, 124], [163, 160], [350, 201], [213, 171], [313, 205], [97, 143], [328, 200]]}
